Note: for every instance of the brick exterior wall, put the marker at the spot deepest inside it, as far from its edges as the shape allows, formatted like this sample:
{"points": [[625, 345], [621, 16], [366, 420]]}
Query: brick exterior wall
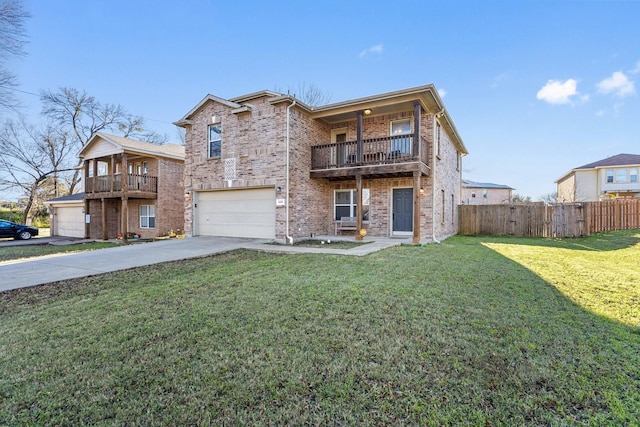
{"points": [[257, 140]]}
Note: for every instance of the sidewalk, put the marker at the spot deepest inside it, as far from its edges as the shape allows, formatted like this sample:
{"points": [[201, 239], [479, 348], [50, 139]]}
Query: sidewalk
{"points": [[24, 273]]}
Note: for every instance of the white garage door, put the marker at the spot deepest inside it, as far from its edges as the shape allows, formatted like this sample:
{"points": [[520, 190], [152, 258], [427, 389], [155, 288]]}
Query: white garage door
{"points": [[236, 213], [69, 221]]}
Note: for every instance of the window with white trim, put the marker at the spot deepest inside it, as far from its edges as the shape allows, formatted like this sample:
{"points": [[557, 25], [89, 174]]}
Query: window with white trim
{"points": [[609, 176], [345, 203], [633, 175], [147, 216], [215, 141]]}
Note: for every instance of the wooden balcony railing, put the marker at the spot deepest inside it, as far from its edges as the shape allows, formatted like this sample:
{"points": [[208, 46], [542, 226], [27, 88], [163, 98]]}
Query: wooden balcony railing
{"points": [[375, 151], [113, 184]]}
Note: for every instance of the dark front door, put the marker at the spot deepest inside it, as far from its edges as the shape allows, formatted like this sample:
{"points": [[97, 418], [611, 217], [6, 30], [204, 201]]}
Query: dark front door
{"points": [[403, 209]]}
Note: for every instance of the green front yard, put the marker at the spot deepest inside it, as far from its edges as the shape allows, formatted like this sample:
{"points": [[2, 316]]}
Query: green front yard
{"points": [[32, 251], [474, 331]]}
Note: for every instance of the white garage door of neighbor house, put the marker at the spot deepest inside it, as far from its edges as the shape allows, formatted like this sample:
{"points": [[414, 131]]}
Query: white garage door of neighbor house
{"points": [[69, 221], [236, 213]]}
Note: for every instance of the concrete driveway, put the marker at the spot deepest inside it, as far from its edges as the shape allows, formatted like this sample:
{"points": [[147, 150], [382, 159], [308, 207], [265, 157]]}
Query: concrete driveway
{"points": [[52, 268]]}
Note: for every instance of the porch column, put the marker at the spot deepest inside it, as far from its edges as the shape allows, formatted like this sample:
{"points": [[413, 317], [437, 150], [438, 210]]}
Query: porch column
{"points": [[358, 206], [105, 235], [359, 137], [417, 109], [124, 212], [112, 171], [87, 212], [416, 207], [85, 170], [94, 165]]}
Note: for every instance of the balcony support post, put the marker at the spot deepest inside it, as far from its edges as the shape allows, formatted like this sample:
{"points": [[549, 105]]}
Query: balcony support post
{"points": [[358, 206], [417, 109], [87, 213], [112, 171], [124, 210], [416, 207], [359, 137], [105, 234]]}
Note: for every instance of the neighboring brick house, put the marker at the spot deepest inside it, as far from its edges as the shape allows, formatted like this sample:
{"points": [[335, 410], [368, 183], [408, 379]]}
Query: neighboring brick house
{"points": [[485, 193], [132, 187], [267, 165], [615, 177]]}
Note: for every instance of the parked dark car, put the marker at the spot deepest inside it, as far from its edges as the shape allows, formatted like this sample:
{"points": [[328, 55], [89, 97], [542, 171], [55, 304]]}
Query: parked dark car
{"points": [[17, 231]]}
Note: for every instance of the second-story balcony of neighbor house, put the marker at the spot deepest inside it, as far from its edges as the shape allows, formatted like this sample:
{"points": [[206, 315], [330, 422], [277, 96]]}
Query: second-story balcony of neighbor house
{"points": [[104, 186]]}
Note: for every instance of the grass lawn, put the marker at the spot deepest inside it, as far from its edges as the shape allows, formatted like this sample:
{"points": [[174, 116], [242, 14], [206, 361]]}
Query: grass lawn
{"points": [[29, 251], [474, 331]]}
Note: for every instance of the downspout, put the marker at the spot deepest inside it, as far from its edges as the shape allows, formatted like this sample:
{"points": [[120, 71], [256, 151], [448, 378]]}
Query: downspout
{"points": [[286, 230], [433, 185]]}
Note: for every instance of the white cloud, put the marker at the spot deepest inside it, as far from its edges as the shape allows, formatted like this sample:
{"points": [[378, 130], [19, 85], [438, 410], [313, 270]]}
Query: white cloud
{"points": [[635, 69], [442, 93], [375, 49], [557, 92], [618, 84]]}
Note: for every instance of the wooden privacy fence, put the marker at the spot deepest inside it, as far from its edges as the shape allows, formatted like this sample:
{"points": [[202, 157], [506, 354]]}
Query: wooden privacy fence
{"points": [[549, 220]]}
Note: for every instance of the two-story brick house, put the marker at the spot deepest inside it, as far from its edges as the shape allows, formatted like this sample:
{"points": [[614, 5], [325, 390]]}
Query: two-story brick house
{"points": [[615, 177], [131, 187], [267, 165]]}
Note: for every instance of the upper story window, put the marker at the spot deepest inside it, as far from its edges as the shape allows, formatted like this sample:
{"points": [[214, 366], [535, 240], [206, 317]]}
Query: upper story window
{"points": [[215, 141], [400, 127], [622, 175], [401, 145]]}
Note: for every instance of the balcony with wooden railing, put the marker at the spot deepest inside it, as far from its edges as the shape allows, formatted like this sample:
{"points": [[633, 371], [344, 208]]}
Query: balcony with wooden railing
{"points": [[110, 186], [397, 155]]}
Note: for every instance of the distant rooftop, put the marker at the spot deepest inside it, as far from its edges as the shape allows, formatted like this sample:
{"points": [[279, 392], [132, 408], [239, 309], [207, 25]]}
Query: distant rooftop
{"points": [[472, 184]]}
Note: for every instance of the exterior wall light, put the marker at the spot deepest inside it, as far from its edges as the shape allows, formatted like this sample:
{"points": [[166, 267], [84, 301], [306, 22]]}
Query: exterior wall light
{"points": [[367, 111]]}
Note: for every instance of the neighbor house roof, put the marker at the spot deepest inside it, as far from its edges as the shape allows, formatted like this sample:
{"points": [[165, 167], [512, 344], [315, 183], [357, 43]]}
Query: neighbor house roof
{"points": [[622, 159], [472, 184], [121, 144]]}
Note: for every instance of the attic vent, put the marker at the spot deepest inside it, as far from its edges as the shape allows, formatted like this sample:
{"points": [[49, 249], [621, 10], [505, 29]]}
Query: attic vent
{"points": [[230, 169]]}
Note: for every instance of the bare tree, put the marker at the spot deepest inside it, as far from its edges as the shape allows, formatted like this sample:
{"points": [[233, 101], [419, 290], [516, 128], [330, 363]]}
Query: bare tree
{"points": [[12, 40], [32, 161], [81, 116], [518, 198], [549, 197], [310, 94]]}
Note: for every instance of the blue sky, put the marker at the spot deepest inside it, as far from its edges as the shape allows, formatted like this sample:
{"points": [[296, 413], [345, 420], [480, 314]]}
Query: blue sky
{"points": [[535, 88]]}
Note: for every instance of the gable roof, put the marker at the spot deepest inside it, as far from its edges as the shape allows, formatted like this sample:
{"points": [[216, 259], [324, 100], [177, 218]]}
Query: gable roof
{"points": [[472, 184], [120, 145]]}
